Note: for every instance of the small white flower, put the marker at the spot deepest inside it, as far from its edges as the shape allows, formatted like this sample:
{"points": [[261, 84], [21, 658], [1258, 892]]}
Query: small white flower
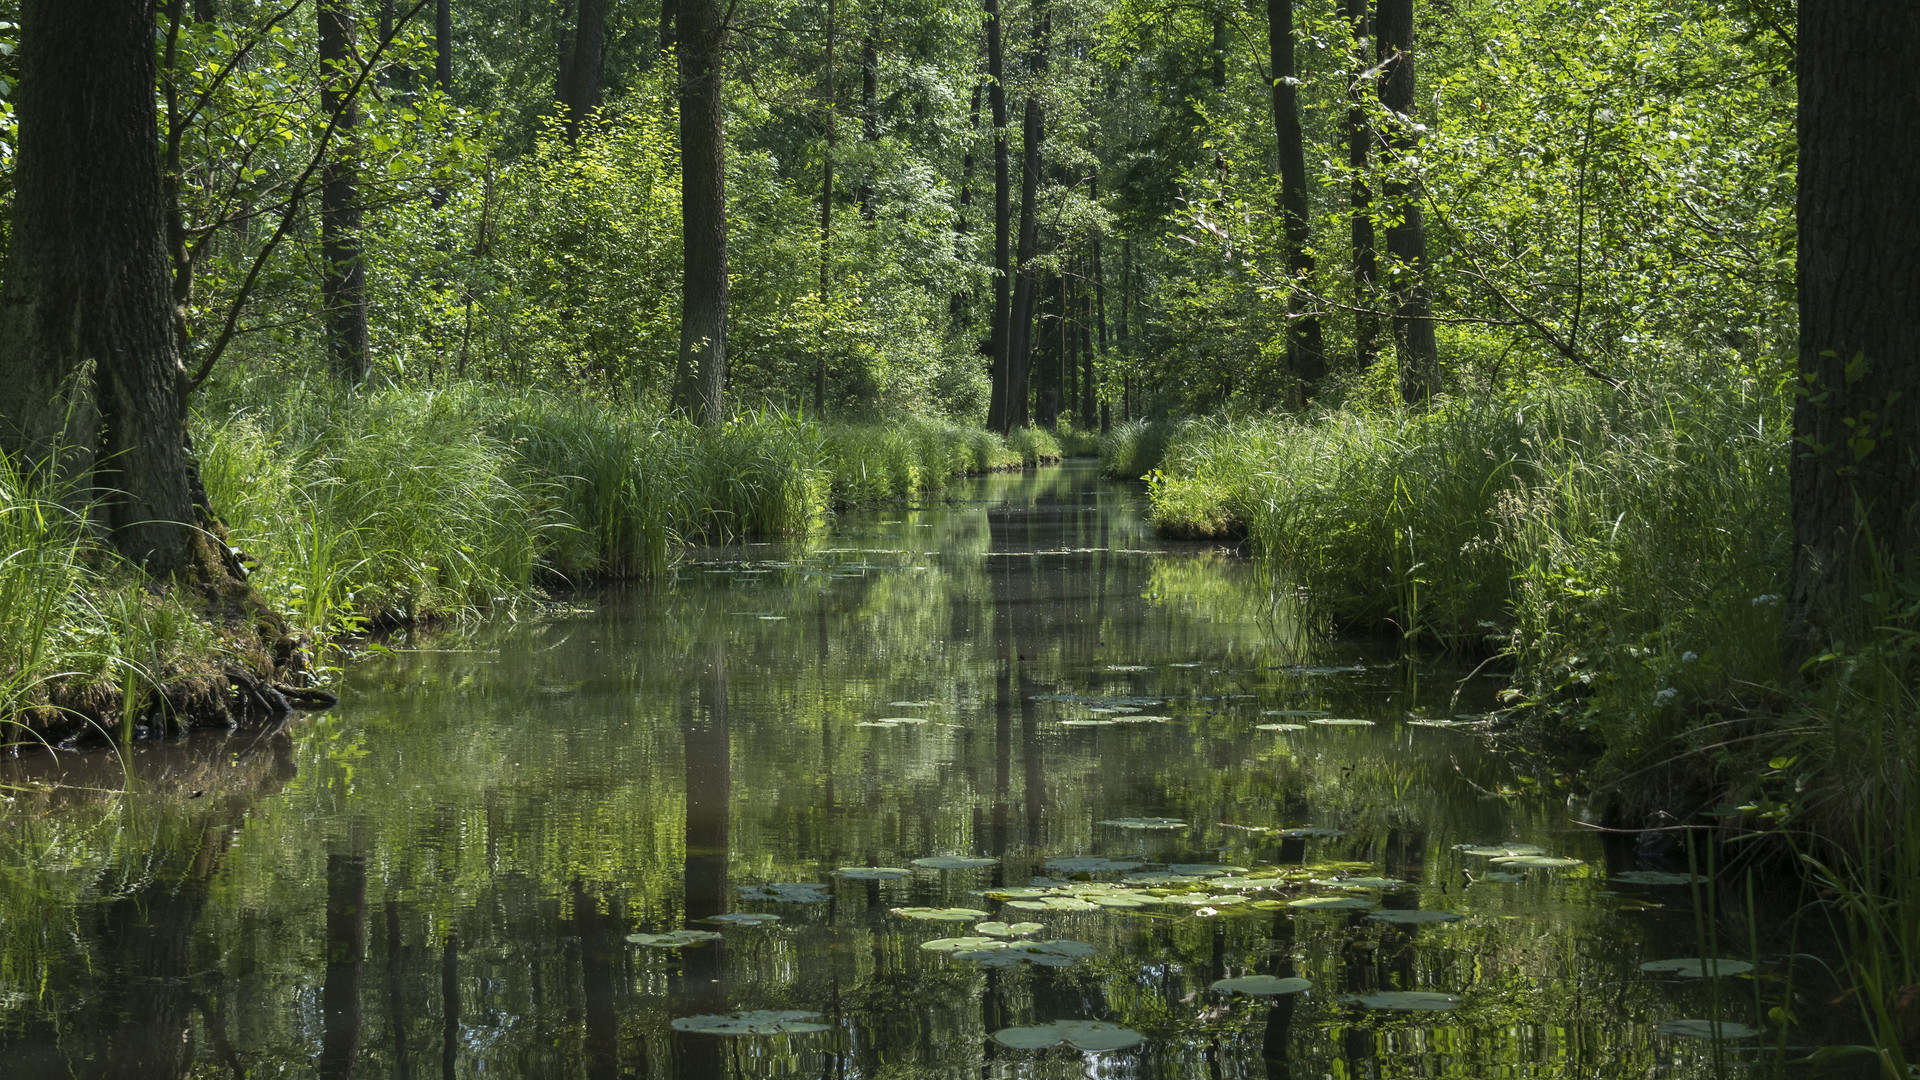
{"points": [[1665, 696], [1689, 656]]}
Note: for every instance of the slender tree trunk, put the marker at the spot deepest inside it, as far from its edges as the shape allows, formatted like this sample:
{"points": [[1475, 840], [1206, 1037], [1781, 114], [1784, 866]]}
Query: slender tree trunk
{"points": [[89, 358], [1032, 140], [826, 221], [343, 284], [583, 73], [700, 384], [443, 46], [1413, 336], [1000, 336], [1086, 418], [1366, 324], [1306, 358], [1856, 463], [1218, 74], [1100, 317], [869, 118]]}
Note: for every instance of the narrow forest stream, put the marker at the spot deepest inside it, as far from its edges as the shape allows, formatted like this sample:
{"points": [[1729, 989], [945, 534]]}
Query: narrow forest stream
{"points": [[472, 867]]}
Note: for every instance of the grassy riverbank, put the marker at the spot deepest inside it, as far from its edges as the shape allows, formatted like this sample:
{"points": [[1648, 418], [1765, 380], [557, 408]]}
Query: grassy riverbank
{"points": [[399, 505], [1626, 559]]}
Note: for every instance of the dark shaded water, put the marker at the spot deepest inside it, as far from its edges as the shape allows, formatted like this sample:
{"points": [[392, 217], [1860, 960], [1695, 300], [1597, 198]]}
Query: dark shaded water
{"points": [[440, 877]]}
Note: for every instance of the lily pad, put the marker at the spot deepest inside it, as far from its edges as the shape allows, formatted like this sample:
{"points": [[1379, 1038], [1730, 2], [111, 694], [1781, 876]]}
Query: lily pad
{"points": [[1006, 930], [1655, 877], [1414, 916], [1091, 1036], [1341, 722], [1088, 723], [745, 918], [792, 892], [756, 1022], [1499, 850], [963, 944], [1052, 903], [674, 939], [1359, 882], [1128, 667], [1408, 1000], [1089, 865], [1501, 877], [1311, 831], [893, 721], [1279, 727], [1332, 903], [1123, 900], [953, 862], [1538, 862], [1145, 823], [1204, 869], [1248, 883], [940, 914], [1261, 986], [1705, 1029], [1696, 969], [1142, 718], [872, 873], [910, 704], [1293, 712]]}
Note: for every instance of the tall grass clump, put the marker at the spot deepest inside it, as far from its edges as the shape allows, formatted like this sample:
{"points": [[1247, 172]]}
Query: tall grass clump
{"points": [[1036, 446], [42, 582], [758, 474], [1131, 450]]}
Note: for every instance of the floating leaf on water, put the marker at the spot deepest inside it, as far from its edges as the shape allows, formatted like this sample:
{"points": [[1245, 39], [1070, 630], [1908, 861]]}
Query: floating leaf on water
{"points": [[1429, 721], [1188, 664], [1705, 1029], [1204, 869], [1279, 727], [897, 721], [954, 862], [1128, 667], [1043, 953], [1141, 718], [1696, 969], [1123, 900], [1359, 882], [911, 704], [1332, 903], [1310, 831], [1261, 986], [963, 944], [745, 918], [1498, 850], [872, 873], [1156, 877], [674, 939], [1293, 712], [1091, 1036], [1269, 905], [793, 892], [940, 914], [1022, 892], [757, 1022], [1341, 722], [1248, 883], [1089, 865], [1542, 862], [1005, 930], [1087, 723], [1123, 710], [1655, 877], [1052, 903], [1145, 823], [1414, 916], [1408, 1000], [1500, 877]]}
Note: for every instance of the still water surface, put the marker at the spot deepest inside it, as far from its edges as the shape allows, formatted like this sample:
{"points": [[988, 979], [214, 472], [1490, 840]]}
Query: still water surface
{"points": [[442, 876]]}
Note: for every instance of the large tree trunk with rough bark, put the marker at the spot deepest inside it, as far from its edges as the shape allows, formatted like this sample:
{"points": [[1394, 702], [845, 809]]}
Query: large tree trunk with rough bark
{"points": [[701, 382], [1413, 338], [1032, 141], [1856, 461], [583, 73], [343, 280], [1306, 358], [998, 337], [92, 386]]}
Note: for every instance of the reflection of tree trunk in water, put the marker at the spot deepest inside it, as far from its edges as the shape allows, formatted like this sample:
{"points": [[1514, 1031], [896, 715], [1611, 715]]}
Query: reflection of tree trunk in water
{"points": [[346, 956], [1274, 1043], [449, 1006], [397, 991], [599, 945], [708, 751]]}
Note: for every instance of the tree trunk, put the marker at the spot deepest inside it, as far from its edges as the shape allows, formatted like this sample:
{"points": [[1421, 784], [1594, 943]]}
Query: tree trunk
{"points": [[1856, 463], [1100, 317], [89, 361], [1085, 418], [1413, 338], [1032, 139], [343, 283], [700, 384], [826, 222], [869, 118], [583, 72], [1306, 358], [1366, 324], [443, 46], [669, 26], [999, 337], [1218, 76]]}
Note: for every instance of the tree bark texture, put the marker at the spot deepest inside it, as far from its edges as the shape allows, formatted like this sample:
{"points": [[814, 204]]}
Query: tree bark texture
{"points": [[585, 68], [869, 117], [443, 46], [1306, 356], [92, 386], [343, 283], [1032, 141], [999, 338], [1366, 263], [701, 382], [1218, 74], [1413, 337], [1855, 473]]}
